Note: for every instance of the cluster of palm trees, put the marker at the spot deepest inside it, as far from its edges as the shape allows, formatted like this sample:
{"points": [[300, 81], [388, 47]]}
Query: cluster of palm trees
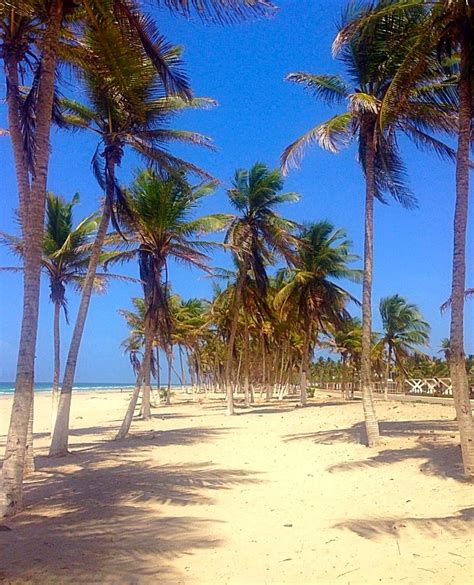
{"points": [[410, 69], [272, 321]]}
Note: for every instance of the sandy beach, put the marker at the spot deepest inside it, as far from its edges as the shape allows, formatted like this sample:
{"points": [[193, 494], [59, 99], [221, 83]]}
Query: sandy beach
{"points": [[277, 494]]}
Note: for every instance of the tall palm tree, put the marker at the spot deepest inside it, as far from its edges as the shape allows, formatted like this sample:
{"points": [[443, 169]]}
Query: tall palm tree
{"points": [[404, 329], [372, 58], [309, 288], [447, 29], [256, 236], [128, 110], [31, 181], [158, 224]]}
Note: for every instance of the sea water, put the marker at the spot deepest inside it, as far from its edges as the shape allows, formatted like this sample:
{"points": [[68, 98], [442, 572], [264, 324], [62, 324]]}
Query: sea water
{"points": [[9, 387]]}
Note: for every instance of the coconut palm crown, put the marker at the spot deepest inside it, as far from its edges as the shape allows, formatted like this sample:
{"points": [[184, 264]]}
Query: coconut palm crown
{"points": [[404, 329], [158, 224]]}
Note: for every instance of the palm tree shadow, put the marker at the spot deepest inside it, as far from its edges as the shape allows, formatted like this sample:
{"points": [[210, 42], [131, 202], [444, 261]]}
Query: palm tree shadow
{"points": [[434, 446], [458, 524], [102, 515], [281, 407]]}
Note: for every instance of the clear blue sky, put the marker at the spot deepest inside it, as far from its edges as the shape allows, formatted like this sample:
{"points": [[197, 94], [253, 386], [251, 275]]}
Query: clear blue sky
{"points": [[259, 114]]}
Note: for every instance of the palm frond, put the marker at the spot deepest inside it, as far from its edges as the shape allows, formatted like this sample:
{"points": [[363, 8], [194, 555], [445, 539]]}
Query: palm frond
{"points": [[331, 89], [331, 135]]}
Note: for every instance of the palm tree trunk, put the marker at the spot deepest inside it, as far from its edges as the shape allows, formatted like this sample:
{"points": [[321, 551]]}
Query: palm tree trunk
{"points": [[264, 369], [304, 366], [14, 128], [146, 367], [57, 365], [457, 363], [158, 380], [11, 494], [387, 374], [181, 365], [198, 372], [59, 443], [29, 454], [345, 393], [169, 355], [127, 421], [230, 346], [371, 422], [246, 364]]}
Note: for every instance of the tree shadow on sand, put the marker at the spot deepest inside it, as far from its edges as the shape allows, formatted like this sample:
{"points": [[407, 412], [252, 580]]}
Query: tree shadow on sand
{"points": [[434, 445], [101, 515], [281, 407], [459, 524]]}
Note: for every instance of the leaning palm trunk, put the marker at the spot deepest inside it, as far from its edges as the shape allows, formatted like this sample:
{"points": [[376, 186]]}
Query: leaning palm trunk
{"points": [[371, 422], [230, 346], [146, 365], [59, 442], [457, 358], [11, 495], [127, 420], [57, 365]]}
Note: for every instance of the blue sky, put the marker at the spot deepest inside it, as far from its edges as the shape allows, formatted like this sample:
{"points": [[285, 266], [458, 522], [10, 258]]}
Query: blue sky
{"points": [[243, 68]]}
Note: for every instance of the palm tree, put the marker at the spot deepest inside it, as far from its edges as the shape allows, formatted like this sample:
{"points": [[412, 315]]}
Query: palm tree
{"points": [[254, 307], [447, 28], [404, 329], [133, 344], [256, 236], [31, 181], [64, 260], [156, 220], [346, 339], [372, 58], [445, 348], [127, 110], [309, 289], [190, 323], [66, 254]]}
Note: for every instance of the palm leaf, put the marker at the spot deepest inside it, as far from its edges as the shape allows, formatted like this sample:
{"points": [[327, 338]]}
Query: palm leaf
{"points": [[331, 135], [329, 88]]}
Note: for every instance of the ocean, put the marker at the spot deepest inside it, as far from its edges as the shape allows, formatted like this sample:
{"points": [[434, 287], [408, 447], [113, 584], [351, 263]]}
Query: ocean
{"points": [[8, 387]]}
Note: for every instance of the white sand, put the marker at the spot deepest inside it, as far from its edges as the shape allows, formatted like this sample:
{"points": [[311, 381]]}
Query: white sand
{"points": [[274, 495]]}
